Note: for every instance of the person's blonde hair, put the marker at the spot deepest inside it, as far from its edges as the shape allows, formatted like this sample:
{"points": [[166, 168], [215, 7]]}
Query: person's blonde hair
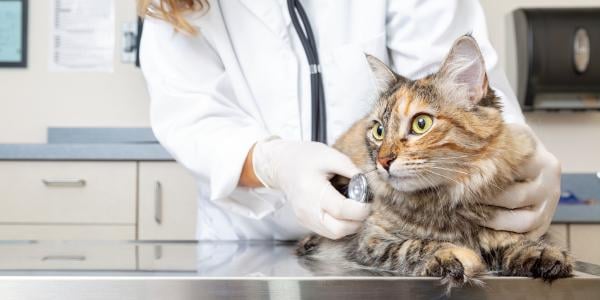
{"points": [[172, 11]]}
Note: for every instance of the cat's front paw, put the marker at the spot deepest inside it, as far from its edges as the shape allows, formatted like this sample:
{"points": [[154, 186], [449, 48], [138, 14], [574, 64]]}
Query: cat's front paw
{"points": [[546, 262], [554, 264], [456, 265]]}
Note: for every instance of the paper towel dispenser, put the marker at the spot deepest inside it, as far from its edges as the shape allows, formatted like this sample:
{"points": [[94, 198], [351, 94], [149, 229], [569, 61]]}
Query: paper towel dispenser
{"points": [[558, 58]]}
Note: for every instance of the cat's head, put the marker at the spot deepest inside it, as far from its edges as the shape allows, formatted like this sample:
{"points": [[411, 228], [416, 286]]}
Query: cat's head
{"points": [[427, 133]]}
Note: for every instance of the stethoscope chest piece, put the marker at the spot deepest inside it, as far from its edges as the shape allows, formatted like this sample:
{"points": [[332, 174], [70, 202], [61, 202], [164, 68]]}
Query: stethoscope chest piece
{"points": [[358, 188]]}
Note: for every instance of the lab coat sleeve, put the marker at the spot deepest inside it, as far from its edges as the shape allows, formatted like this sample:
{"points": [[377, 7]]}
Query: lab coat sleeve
{"points": [[421, 32], [194, 112]]}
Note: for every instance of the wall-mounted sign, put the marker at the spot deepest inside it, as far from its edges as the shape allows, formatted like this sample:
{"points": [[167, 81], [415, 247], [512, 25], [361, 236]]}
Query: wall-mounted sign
{"points": [[82, 35], [13, 33]]}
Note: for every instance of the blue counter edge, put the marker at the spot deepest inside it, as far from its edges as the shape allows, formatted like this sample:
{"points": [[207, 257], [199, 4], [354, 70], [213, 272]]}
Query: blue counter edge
{"points": [[112, 152]]}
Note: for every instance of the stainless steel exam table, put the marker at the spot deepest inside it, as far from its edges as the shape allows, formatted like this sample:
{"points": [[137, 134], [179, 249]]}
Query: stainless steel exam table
{"points": [[229, 270]]}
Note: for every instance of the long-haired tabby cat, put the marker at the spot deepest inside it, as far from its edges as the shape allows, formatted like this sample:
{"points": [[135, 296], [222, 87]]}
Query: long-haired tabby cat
{"points": [[438, 146]]}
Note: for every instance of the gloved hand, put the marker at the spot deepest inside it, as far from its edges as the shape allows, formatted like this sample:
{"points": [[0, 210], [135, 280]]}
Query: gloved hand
{"points": [[528, 207], [301, 170]]}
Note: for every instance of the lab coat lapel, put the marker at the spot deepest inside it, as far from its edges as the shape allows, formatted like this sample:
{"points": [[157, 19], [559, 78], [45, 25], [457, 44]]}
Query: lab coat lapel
{"points": [[213, 25], [269, 12]]}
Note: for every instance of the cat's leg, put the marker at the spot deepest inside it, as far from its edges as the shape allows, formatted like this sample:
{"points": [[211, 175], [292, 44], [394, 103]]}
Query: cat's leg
{"points": [[456, 265], [415, 257], [514, 255]]}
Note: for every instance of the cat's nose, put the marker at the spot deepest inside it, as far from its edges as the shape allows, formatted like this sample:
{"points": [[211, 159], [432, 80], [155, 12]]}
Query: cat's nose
{"points": [[386, 161]]}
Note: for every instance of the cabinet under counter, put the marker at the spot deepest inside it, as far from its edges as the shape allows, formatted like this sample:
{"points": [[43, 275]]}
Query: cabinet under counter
{"points": [[67, 192]]}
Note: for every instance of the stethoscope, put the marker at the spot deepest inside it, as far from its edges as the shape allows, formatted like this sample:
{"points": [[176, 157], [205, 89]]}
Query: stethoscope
{"points": [[358, 187], [307, 38]]}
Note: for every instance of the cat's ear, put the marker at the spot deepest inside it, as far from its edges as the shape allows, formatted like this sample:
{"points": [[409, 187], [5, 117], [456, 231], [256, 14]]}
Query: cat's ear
{"points": [[463, 71], [384, 76]]}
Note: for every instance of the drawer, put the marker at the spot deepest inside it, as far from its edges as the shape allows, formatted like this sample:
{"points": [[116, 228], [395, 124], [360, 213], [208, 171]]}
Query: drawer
{"points": [[585, 242], [68, 192], [67, 232], [67, 256], [167, 257]]}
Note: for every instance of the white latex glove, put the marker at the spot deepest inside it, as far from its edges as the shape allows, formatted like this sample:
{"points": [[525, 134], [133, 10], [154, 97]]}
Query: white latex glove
{"points": [[301, 170], [528, 207]]}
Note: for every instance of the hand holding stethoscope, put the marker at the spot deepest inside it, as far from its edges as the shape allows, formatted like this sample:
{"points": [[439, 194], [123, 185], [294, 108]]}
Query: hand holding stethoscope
{"points": [[358, 187]]}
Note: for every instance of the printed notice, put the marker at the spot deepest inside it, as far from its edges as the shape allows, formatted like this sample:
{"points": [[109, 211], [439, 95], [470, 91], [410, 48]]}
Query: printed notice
{"points": [[82, 36]]}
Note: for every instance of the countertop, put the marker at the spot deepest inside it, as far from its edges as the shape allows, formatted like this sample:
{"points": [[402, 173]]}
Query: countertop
{"points": [[257, 270], [114, 144], [87, 152]]}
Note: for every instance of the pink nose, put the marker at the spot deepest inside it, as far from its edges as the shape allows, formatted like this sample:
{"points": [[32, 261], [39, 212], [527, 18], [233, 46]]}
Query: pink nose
{"points": [[386, 161]]}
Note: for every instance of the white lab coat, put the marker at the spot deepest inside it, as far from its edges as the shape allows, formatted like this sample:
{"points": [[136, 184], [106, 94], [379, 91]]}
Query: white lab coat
{"points": [[244, 78]]}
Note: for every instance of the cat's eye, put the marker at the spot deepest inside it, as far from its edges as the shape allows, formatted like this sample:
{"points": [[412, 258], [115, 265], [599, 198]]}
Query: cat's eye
{"points": [[421, 123], [377, 131]]}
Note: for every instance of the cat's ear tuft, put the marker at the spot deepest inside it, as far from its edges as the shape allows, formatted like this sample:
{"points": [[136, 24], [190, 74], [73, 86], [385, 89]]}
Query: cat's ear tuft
{"points": [[384, 76], [463, 71]]}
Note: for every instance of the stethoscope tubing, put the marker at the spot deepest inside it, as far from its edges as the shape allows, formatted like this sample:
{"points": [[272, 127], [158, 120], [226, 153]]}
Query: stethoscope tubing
{"points": [[307, 39]]}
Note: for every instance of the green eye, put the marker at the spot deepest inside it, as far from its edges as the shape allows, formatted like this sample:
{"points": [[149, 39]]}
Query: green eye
{"points": [[421, 123], [378, 131]]}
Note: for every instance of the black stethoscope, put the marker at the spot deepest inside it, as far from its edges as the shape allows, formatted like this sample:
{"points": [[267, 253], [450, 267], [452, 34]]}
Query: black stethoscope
{"points": [[358, 186], [307, 38]]}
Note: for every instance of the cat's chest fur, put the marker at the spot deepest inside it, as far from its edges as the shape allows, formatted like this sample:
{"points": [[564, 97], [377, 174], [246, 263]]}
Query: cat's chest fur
{"points": [[428, 216]]}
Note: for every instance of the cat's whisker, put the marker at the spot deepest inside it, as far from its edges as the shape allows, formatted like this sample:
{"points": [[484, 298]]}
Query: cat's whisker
{"points": [[452, 179], [451, 170], [446, 161], [455, 157]]}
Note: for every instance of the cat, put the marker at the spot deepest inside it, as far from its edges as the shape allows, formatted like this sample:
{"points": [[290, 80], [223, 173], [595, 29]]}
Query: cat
{"points": [[431, 148]]}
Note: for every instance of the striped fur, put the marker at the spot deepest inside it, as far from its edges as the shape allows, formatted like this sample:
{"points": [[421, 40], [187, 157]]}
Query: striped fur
{"points": [[426, 212]]}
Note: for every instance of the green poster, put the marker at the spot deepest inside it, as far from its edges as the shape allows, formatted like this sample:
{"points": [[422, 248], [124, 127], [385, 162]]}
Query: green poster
{"points": [[11, 31]]}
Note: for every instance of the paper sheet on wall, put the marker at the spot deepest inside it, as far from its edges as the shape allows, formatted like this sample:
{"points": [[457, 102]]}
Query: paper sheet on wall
{"points": [[82, 36]]}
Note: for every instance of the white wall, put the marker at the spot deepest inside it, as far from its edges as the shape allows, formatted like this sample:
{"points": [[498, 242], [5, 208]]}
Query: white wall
{"points": [[33, 99]]}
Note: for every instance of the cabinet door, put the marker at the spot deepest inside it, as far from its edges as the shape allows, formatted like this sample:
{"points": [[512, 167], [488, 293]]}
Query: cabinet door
{"points": [[167, 257], [167, 202], [585, 242]]}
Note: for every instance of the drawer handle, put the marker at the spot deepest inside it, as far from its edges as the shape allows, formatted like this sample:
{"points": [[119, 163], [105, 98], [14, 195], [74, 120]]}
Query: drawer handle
{"points": [[158, 202], [158, 252], [66, 182], [64, 257]]}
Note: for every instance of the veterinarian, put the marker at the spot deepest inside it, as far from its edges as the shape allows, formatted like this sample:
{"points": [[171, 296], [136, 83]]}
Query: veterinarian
{"points": [[230, 85]]}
